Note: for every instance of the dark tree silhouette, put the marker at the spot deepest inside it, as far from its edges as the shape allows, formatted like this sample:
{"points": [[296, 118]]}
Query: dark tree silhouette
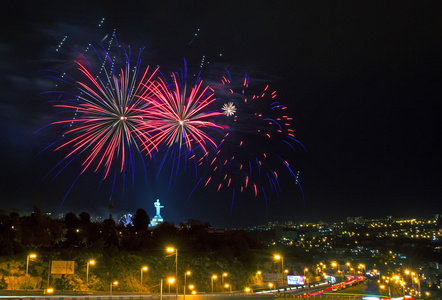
{"points": [[141, 220]]}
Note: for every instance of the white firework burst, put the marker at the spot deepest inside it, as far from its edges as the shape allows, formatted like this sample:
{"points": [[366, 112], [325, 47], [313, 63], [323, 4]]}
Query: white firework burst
{"points": [[229, 109]]}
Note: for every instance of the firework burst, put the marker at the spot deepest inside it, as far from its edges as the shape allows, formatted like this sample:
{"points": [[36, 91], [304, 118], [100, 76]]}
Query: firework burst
{"points": [[229, 109], [104, 113], [180, 117], [258, 144]]}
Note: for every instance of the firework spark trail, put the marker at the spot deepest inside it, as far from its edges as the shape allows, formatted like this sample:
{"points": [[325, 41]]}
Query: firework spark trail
{"points": [[110, 120], [179, 119], [250, 157], [108, 112]]}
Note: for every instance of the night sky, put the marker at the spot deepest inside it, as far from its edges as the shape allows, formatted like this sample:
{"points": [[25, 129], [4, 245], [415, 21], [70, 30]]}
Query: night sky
{"points": [[362, 80]]}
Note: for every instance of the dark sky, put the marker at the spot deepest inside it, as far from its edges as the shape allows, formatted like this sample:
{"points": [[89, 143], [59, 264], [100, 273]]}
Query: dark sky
{"points": [[362, 81]]}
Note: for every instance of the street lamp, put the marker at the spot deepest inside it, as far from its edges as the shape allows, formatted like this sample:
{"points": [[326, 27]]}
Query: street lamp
{"points": [[170, 280], [112, 284], [143, 269], [228, 286], [322, 266], [212, 278], [389, 290], [191, 287], [175, 250], [418, 281], [306, 280], [91, 262], [222, 278], [279, 257], [30, 256], [185, 277], [413, 280], [335, 264], [363, 269]]}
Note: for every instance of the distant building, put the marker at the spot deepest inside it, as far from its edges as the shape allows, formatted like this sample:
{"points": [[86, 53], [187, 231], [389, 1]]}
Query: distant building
{"points": [[359, 220], [98, 219]]}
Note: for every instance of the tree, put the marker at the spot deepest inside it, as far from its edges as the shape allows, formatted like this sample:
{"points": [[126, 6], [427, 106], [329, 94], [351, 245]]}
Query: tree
{"points": [[3, 284], [109, 232], [71, 220], [85, 218], [7, 236], [141, 220]]}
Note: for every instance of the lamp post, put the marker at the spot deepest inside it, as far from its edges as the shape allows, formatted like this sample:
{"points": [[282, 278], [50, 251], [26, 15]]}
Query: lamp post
{"points": [[389, 290], [91, 262], [335, 264], [228, 286], [170, 280], [30, 256], [418, 281], [212, 278], [306, 280], [279, 257], [407, 272], [222, 278], [143, 269], [112, 284], [185, 282], [175, 250]]}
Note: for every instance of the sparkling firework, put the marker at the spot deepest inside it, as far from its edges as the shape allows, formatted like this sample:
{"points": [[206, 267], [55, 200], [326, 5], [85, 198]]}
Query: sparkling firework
{"points": [[258, 144], [181, 119], [126, 220], [105, 113], [229, 109]]}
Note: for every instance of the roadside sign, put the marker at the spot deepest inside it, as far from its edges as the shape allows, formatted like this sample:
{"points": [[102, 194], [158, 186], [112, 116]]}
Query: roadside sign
{"points": [[62, 267]]}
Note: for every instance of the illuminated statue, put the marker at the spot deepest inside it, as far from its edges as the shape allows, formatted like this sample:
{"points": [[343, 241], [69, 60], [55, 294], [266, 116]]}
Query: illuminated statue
{"points": [[158, 208], [157, 220]]}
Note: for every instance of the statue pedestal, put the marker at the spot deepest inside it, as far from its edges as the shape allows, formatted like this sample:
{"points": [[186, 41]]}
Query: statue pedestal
{"points": [[157, 220]]}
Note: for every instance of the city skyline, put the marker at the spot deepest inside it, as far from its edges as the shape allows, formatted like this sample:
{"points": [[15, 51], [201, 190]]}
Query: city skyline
{"points": [[118, 215], [361, 82]]}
